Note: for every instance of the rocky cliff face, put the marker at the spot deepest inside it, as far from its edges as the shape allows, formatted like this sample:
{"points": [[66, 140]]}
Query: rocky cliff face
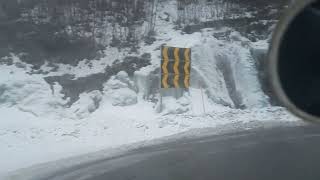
{"points": [[125, 35], [72, 30]]}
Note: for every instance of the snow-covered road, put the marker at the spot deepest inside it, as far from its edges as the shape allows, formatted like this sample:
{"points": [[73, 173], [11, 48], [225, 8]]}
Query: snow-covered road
{"points": [[234, 153]]}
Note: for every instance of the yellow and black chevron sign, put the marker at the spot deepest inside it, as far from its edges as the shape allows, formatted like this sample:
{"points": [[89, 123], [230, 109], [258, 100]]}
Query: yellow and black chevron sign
{"points": [[175, 67]]}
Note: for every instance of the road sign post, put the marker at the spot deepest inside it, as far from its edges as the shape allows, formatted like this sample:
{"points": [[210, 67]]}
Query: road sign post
{"points": [[174, 70]]}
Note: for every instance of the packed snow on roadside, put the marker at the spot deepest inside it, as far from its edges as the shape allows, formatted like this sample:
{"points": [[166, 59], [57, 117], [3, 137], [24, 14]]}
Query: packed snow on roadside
{"points": [[37, 124]]}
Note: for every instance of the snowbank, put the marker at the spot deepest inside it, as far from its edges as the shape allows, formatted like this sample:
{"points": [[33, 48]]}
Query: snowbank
{"points": [[36, 127]]}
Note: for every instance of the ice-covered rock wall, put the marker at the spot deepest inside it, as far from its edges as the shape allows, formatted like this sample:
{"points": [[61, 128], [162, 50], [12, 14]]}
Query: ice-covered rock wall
{"points": [[229, 73], [226, 70]]}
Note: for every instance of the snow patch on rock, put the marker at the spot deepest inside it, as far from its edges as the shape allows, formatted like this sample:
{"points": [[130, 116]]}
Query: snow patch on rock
{"points": [[87, 104], [30, 93], [121, 90], [124, 97]]}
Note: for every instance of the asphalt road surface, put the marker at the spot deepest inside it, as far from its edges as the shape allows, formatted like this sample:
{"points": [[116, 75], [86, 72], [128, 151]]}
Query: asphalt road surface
{"points": [[283, 153]]}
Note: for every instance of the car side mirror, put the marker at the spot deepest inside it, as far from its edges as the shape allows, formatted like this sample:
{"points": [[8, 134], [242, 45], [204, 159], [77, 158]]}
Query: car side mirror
{"points": [[294, 59]]}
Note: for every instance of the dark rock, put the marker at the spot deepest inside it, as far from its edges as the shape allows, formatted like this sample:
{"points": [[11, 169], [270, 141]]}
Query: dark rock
{"points": [[72, 87]]}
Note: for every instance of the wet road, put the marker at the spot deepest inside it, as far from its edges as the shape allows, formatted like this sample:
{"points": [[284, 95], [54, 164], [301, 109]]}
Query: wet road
{"points": [[263, 154]]}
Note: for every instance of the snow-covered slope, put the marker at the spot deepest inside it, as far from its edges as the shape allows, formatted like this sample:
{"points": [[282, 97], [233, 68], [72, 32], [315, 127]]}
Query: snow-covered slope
{"points": [[56, 112]]}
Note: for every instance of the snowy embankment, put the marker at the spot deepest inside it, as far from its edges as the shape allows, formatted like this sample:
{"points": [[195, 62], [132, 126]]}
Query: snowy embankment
{"points": [[37, 125]]}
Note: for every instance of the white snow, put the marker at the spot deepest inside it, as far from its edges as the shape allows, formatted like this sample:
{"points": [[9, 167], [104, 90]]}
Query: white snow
{"points": [[124, 97], [200, 103], [86, 67]]}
